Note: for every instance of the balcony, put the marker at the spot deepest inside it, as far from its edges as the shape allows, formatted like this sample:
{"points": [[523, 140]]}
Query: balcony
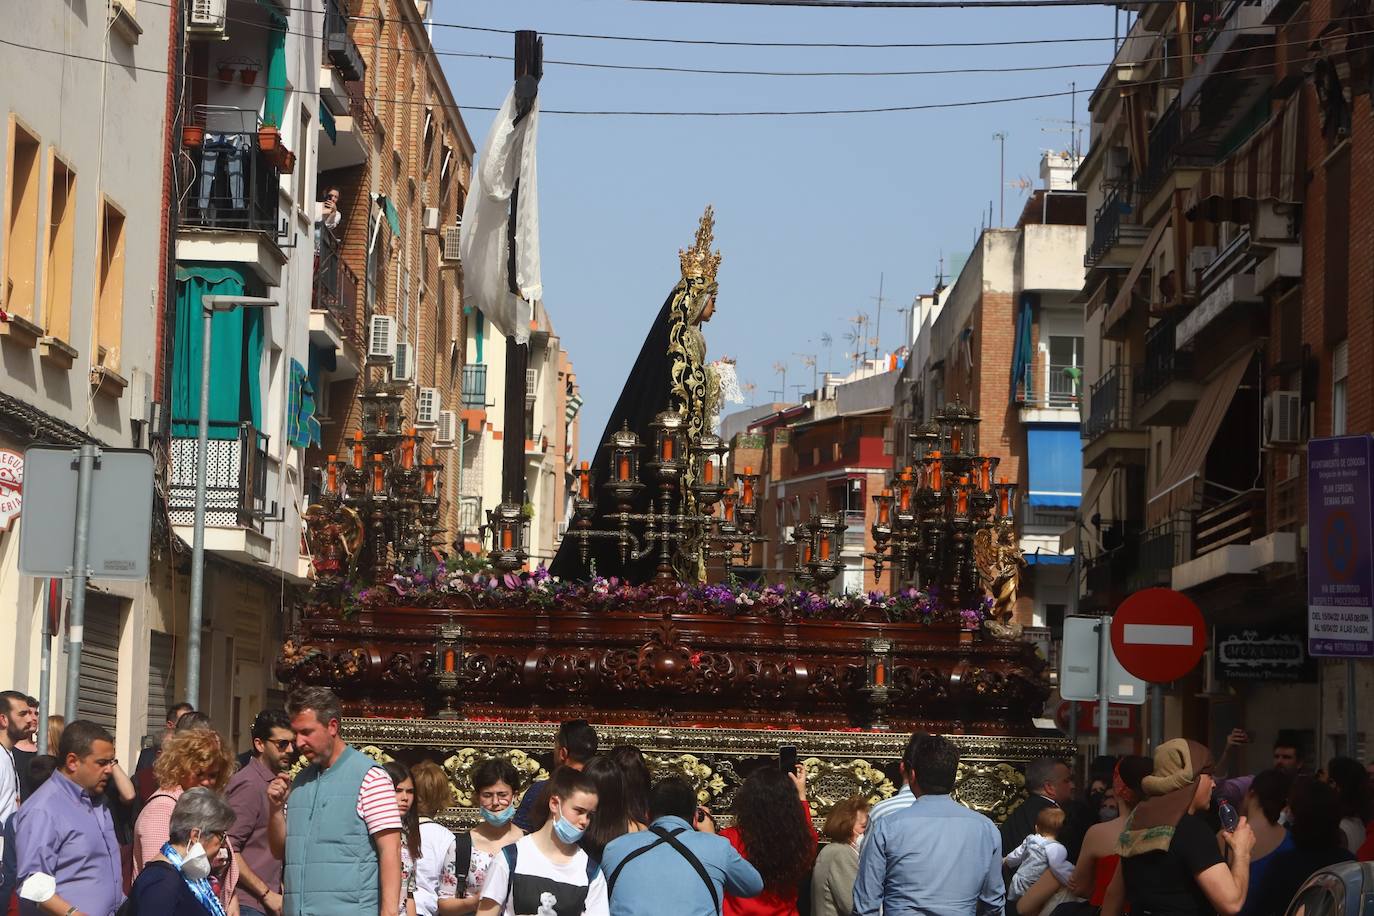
{"points": [[1159, 550], [1052, 388], [334, 316], [1230, 538], [339, 46], [1115, 240], [1108, 429], [475, 387], [1046, 519], [1235, 48], [236, 505], [229, 206], [1165, 387], [348, 145], [1169, 148]]}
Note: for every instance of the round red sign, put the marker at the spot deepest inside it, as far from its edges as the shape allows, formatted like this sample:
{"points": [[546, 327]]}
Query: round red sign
{"points": [[1158, 634]]}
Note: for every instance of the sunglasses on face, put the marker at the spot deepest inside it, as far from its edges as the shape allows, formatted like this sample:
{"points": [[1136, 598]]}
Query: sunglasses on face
{"points": [[282, 744]]}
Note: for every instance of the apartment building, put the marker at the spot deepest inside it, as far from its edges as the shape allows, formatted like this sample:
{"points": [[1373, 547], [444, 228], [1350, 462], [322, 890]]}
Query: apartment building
{"points": [[84, 275], [1006, 340], [1227, 313]]}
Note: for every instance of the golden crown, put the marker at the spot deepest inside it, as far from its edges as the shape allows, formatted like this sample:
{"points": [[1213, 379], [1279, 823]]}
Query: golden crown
{"points": [[699, 262]]}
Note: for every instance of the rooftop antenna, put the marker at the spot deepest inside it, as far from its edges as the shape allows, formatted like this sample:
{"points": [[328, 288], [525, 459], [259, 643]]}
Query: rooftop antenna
{"points": [[827, 341], [750, 389], [1073, 130], [809, 360], [781, 369], [1001, 138], [878, 325]]}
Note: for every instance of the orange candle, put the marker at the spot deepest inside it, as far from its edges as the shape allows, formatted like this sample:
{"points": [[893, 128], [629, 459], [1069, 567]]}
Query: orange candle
{"points": [[667, 448], [507, 538], [905, 487], [729, 505], [884, 507], [358, 450], [333, 470], [623, 470], [825, 546], [585, 490], [449, 660], [937, 475], [1003, 500], [806, 552], [962, 496], [984, 475], [429, 477], [955, 436], [408, 450], [377, 474], [879, 674], [748, 485], [708, 471]]}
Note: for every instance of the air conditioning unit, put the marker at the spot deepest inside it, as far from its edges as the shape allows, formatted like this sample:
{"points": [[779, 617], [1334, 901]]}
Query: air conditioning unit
{"points": [[427, 407], [430, 220], [446, 429], [1274, 223], [381, 339], [206, 16], [1282, 418], [403, 369], [453, 236]]}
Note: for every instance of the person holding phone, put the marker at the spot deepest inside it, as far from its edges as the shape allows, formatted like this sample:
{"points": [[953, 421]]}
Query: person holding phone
{"points": [[1264, 803], [773, 832]]}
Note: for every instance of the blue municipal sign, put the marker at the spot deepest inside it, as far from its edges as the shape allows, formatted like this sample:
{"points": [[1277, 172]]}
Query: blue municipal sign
{"points": [[1340, 558]]}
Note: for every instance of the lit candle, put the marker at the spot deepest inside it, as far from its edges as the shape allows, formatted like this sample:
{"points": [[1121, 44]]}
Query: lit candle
{"points": [[585, 490], [358, 450], [937, 475], [429, 476], [961, 496], [748, 485], [333, 471], [449, 661], [984, 475], [408, 451], [879, 674], [885, 507], [623, 469], [825, 546], [507, 538], [667, 448], [708, 471], [955, 436], [729, 505], [378, 472], [905, 487], [1003, 499], [806, 552]]}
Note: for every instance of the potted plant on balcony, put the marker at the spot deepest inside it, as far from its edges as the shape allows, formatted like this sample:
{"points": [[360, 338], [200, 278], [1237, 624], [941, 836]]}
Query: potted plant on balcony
{"points": [[192, 135], [269, 138], [286, 160]]}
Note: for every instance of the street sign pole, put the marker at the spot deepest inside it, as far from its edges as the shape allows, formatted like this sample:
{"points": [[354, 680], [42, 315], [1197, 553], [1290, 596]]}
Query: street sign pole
{"points": [[45, 663], [86, 459], [1104, 656], [1156, 716], [1352, 731]]}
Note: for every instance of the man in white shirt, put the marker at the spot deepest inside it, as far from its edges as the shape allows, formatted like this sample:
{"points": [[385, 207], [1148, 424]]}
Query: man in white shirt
{"points": [[16, 724], [547, 872]]}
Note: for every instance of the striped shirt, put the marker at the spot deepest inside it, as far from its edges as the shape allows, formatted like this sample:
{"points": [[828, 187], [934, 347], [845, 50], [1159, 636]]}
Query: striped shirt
{"points": [[377, 802], [898, 802]]}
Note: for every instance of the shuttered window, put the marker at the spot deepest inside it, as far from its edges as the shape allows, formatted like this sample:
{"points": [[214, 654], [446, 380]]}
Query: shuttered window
{"points": [[99, 678], [160, 656]]}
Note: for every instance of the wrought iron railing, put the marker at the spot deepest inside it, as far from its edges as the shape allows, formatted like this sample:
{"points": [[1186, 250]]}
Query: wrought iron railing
{"points": [[339, 46], [1107, 223], [235, 479], [1164, 362], [1060, 391], [1161, 548], [234, 184], [1238, 520], [1109, 406], [335, 285], [475, 387]]}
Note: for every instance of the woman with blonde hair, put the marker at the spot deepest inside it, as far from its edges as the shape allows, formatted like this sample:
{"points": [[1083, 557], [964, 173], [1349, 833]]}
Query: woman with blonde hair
{"points": [[837, 864], [55, 726], [194, 758], [436, 876]]}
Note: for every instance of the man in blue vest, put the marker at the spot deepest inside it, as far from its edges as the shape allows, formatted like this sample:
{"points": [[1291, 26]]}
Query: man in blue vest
{"points": [[339, 837]]}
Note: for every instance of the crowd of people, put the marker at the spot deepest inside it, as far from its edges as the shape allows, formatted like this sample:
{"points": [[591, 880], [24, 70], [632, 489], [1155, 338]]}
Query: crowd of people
{"points": [[305, 825]]}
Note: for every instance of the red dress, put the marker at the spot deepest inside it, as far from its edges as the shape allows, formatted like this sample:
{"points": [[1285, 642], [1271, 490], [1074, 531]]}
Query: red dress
{"points": [[770, 902]]}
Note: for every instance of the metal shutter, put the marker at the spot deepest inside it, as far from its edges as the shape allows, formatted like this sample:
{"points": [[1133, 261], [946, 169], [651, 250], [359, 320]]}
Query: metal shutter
{"points": [[160, 658], [99, 677]]}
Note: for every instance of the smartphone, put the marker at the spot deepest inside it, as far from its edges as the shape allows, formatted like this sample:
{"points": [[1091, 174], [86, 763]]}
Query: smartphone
{"points": [[1226, 813], [787, 758]]}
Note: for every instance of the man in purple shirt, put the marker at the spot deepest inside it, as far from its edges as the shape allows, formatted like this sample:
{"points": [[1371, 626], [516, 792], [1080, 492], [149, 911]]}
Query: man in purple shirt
{"points": [[63, 832], [274, 742]]}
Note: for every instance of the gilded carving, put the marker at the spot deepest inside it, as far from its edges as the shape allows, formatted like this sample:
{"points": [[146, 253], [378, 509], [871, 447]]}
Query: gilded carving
{"points": [[459, 768], [993, 788], [829, 783]]}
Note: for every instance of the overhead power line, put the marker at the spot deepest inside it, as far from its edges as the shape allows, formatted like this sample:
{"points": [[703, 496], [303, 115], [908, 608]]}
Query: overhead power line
{"points": [[907, 4]]}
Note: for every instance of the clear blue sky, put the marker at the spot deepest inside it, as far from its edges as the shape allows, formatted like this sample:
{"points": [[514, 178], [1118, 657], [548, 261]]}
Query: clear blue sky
{"points": [[809, 210]]}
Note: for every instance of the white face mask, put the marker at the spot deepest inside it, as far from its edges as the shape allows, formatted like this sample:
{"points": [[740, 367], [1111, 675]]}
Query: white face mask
{"points": [[858, 843], [196, 865]]}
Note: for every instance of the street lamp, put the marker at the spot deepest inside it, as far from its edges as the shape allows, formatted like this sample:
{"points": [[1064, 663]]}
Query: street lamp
{"points": [[209, 306]]}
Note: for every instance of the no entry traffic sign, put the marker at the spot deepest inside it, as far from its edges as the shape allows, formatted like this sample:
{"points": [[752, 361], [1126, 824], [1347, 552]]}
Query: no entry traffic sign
{"points": [[1158, 634]]}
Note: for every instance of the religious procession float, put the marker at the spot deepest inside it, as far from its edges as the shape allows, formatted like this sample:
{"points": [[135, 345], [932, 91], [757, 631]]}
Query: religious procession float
{"points": [[461, 658]]}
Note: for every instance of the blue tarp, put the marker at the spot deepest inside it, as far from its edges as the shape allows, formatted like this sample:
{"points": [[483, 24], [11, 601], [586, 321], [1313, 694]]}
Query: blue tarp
{"points": [[1048, 559], [1056, 466]]}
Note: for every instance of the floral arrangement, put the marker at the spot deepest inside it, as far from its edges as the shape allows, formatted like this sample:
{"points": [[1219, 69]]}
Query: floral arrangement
{"points": [[437, 583]]}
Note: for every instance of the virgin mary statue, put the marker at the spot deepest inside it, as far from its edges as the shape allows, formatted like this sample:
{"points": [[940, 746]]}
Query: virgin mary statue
{"points": [[671, 373]]}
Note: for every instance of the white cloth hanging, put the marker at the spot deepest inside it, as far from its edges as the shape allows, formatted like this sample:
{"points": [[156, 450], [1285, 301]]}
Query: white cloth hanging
{"points": [[507, 156]]}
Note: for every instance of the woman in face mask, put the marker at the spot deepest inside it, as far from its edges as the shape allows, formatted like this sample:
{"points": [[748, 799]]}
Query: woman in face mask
{"points": [[495, 789], [837, 864], [176, 881]]}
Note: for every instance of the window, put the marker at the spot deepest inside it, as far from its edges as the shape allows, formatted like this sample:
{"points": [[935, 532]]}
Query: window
{"points": [[59, 249], [20, 255], [303, 171], [109, 294], [1066, 351], [1339, 371], [403, 298]]}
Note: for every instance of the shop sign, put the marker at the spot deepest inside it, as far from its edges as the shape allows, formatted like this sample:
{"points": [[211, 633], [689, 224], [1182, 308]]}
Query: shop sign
{"points": [[1262, 654], [11, 487]]}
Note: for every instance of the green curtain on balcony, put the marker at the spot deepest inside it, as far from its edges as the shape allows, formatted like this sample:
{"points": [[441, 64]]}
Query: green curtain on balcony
{"points": [[1023, 351], [236, 343], [274, 102]]}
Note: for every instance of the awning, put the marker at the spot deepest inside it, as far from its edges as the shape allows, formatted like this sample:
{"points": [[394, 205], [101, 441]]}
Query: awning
{"points": [[1023, 351], [1264, 168], [1177, 486], [236, 346], [331, 129], [1047, 559], [1122, 303], [1101, 478], [388, 208], [1056, 466]]}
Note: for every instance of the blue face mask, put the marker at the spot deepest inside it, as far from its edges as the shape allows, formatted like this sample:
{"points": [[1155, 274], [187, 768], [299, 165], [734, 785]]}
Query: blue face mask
{"points": [[498, 818], [566, 831]]}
